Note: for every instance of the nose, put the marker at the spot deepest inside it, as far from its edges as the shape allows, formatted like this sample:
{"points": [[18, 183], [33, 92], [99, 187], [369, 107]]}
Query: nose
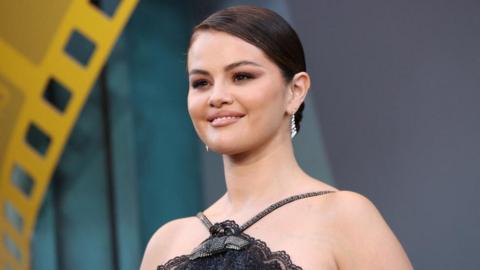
{"points": [[220, 95]]}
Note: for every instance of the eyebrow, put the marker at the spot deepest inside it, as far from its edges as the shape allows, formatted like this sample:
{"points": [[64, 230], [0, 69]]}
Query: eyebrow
{"points": [[226, 68]]}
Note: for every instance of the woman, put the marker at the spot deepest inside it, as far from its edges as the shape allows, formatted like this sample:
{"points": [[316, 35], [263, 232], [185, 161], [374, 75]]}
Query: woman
{"points": [[248, 82]]}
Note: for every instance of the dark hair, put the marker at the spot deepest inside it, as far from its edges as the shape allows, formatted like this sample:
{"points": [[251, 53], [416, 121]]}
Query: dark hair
{"points": [[266, 30]]}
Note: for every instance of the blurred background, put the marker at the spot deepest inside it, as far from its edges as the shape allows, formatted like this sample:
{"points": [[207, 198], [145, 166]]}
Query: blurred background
{"points": [[392, 114]]}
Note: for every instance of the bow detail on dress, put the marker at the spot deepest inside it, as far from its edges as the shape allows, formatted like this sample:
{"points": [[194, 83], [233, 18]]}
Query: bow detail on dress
{"points": [[224, 236]]}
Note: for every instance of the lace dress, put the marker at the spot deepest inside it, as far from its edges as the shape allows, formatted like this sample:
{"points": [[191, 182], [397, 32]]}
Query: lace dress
{"points": [[228, 247]]}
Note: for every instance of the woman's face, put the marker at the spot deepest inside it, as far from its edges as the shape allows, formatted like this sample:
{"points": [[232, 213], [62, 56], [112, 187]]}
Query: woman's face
{"points": [[237, 97]]}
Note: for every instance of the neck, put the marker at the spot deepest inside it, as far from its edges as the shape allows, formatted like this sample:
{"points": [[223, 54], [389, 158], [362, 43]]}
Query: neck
{"points": [[253, 179]]}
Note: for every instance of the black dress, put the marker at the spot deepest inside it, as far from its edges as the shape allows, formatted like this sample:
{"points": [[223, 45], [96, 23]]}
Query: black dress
{"points": [[228, 247]]}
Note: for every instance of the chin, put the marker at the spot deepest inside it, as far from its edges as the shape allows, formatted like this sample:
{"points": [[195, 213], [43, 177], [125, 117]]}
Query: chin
{"points": [[227, 152], [226, 141], [238, 149], [226, 149]]}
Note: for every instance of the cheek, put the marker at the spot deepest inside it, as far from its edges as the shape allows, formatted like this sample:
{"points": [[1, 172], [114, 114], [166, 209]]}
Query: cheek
{"points": [[267, 101], [196, 109], [194, 106]]}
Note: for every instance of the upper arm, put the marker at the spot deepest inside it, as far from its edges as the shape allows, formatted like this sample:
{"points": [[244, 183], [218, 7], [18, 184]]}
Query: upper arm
{"points": [[365, 239], [155, 252]]}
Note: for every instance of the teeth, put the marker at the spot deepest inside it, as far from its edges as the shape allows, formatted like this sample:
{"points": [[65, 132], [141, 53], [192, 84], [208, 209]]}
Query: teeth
{"points": [[225, 117]]}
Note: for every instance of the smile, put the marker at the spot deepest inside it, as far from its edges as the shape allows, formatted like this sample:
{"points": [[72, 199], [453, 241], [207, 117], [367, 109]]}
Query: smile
{"points": [[224, 121], [224, 117]]}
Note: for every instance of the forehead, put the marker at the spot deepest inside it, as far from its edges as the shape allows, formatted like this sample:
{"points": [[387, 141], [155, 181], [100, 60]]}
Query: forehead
{"points": [[213, 48]]}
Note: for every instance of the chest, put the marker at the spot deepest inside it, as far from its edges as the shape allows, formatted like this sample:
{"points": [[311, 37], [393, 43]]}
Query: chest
{"points": [[306, 246]]}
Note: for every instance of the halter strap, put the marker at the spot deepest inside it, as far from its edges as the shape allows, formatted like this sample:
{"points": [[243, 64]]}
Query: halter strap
{"points": [[267, 210]]}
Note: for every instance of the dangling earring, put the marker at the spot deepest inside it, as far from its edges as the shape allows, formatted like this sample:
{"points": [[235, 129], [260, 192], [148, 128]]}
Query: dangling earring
{"points": [[293, 128], [206, 147]]}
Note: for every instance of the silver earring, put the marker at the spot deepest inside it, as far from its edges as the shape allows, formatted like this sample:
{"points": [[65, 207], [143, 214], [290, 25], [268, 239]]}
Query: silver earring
{"points": [[206, 147], [293, 128]]}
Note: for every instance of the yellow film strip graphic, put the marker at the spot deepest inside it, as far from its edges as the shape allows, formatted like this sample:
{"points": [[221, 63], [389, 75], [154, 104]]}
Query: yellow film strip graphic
{"points": [[39, 59]]}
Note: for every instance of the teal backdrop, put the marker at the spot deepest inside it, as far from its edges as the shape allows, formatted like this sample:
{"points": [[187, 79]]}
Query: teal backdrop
{"points": [[132, 161]]}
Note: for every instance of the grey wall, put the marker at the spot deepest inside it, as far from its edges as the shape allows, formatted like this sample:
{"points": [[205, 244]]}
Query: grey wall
{"points": [[397, 89]]}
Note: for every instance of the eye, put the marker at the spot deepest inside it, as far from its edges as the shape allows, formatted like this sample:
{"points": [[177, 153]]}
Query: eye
{"points": [[242, 76], [199, 83]]}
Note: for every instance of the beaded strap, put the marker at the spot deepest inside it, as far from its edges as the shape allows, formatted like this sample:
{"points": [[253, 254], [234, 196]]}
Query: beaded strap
{"points": [[205, 220], [279, 204], [267, 210]]}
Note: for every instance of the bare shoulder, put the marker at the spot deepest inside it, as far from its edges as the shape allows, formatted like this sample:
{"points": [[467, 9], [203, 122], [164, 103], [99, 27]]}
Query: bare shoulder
{"points": [[350, 204], [365, 241], [351, 209], [164, 244]]}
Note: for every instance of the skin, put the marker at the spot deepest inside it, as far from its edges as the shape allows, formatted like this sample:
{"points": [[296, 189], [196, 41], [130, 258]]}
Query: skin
{"points": [[341, 230]]}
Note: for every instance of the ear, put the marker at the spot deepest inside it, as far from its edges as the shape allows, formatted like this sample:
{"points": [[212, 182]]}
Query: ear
{"points": [[298, 90]]}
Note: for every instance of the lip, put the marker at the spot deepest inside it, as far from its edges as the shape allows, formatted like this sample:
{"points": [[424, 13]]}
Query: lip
{"points": [[224, 118]]}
